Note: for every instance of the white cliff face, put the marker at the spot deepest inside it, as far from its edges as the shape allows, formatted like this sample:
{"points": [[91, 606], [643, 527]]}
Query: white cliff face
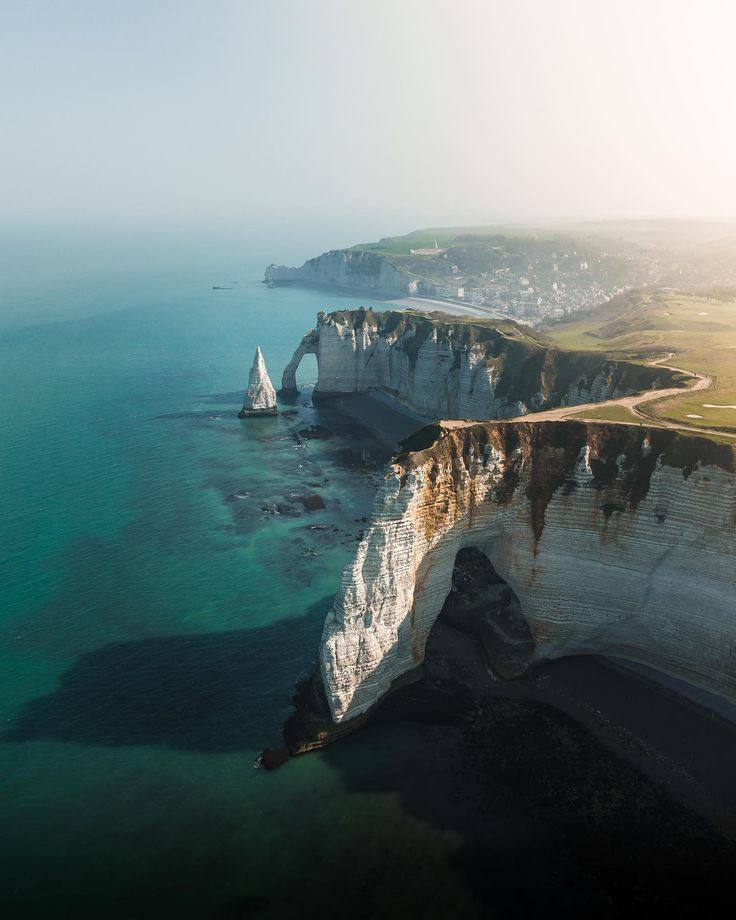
{"points": [[349, 268], [616, 540], [441, 371], [260, 395]]}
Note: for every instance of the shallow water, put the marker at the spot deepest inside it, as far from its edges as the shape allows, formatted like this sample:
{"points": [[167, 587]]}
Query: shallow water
{"points": [[154, 618]]}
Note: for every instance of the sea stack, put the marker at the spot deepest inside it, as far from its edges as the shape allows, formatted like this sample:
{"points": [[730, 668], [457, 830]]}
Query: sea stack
{"points": [[260, 397]]}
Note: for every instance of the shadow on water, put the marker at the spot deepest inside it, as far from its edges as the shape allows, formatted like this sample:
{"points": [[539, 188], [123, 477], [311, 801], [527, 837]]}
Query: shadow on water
{"points": [[553, 822], [213, 692]]}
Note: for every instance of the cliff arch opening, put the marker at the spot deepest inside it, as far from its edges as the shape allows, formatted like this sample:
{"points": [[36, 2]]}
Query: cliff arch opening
{"points": [[481, 604], [307, 371], [307, 346]]}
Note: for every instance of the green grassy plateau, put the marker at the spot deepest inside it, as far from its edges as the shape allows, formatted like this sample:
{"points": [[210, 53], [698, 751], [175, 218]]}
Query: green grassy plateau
{"points": [[700, 332]]}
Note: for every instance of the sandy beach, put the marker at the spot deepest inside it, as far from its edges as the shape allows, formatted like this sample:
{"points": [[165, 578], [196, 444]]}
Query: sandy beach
{"points": [[449, 306]]}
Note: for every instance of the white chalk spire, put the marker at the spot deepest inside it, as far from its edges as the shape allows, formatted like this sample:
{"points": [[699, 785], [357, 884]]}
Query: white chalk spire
{"points": [[260, 397]]}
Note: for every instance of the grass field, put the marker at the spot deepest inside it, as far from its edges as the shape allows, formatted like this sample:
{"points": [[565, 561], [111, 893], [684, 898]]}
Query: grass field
{"points": [[425, 239], [610, 414], [641, 327]]}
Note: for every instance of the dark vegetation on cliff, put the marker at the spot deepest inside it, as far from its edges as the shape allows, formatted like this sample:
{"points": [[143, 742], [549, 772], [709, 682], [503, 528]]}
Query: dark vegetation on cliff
{"points": [[622, 458]]}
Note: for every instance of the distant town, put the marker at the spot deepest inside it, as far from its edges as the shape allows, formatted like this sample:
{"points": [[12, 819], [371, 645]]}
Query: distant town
{"points": [[542, 286], [531, 276]]}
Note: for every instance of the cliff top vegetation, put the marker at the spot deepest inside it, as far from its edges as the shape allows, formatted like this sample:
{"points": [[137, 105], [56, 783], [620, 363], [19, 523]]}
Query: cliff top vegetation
{"points": [[692, 331], [477, 254]]}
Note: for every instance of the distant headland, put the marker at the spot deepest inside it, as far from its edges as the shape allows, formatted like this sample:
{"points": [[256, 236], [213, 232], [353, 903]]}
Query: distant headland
{"points": [[528, 273]]}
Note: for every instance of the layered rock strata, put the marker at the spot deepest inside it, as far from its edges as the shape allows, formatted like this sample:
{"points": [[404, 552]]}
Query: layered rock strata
{"points": [[260, 397], [352, 269], [614, 539], [442, 367]]}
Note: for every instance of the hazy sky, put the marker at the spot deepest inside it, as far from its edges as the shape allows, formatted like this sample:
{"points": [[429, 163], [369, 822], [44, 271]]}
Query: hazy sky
{"points": [[397, 114]]}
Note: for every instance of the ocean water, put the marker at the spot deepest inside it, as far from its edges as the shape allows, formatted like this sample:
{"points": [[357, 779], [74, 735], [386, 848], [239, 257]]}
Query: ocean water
{"points": [[154, 618]]}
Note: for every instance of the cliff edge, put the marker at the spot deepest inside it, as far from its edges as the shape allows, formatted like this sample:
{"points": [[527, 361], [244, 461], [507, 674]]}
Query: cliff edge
{"points": [[447, 367], [353, 269], [610, 539]]}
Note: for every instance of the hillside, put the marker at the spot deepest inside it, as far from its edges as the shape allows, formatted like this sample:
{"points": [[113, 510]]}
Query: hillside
{"points": [[688, 331], [526, 272]]}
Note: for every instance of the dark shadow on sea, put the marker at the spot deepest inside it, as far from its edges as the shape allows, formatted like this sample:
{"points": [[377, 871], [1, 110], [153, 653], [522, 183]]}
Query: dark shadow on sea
{"points": [[212, 692], [553, 822]]}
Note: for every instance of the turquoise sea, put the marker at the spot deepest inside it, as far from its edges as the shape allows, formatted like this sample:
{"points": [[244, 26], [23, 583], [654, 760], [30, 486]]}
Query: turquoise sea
{"points": [[154, 618]]}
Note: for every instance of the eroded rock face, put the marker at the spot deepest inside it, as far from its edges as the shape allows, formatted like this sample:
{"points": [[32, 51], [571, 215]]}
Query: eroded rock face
{"points": [[260, 397], [448, 368], [618, 540], [348, 268]]}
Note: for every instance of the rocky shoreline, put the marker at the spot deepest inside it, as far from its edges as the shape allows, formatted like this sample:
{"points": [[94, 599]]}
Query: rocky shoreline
{"points": [[311, 725], [577, 783]]}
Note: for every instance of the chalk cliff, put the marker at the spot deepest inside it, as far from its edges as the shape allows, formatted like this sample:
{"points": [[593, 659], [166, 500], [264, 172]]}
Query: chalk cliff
{"points": [[347, 268], [260, 397], [445, 367], [613, 539]]}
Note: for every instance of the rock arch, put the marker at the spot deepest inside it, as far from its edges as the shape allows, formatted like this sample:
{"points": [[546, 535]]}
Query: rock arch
{"points": [[307, 346], [482, 605], [615, 541]]}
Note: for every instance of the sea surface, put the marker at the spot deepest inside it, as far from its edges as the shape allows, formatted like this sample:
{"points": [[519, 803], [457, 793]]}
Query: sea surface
{"points": [[154, 618], [155, 615]]}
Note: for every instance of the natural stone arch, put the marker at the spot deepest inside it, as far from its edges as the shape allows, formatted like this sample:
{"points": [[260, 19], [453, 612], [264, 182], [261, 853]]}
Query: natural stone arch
{"points": [[596, 536], [484, 606], [307, 346]]}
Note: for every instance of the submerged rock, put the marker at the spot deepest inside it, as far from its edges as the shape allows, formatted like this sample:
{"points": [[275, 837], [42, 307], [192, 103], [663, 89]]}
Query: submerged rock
{"points": [[260, 397], [273, 758], [315, 433], [312, 502]]}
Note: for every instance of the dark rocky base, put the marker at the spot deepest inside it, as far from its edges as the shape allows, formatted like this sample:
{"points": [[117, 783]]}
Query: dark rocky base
{"points": [[553, 821], [310, 726], [557, 808], [482, 605], [315, 433], [257, 413]]}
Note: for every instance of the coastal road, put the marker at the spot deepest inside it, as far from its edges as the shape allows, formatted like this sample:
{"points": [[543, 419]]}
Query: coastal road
{"points": [[632, 403]]}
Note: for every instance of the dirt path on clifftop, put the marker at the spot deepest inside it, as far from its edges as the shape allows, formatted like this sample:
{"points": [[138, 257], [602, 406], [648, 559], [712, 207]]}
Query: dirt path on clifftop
{"points": [[632, 403]]}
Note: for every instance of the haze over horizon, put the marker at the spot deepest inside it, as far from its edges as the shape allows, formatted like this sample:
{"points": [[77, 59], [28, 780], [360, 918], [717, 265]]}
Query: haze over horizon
{"points": [[369, 119]]}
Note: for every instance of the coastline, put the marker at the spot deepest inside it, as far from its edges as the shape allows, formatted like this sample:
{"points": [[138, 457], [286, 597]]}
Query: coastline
{"points": [[415, 303], [642, 716], [450, 306], [572, 787]]}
